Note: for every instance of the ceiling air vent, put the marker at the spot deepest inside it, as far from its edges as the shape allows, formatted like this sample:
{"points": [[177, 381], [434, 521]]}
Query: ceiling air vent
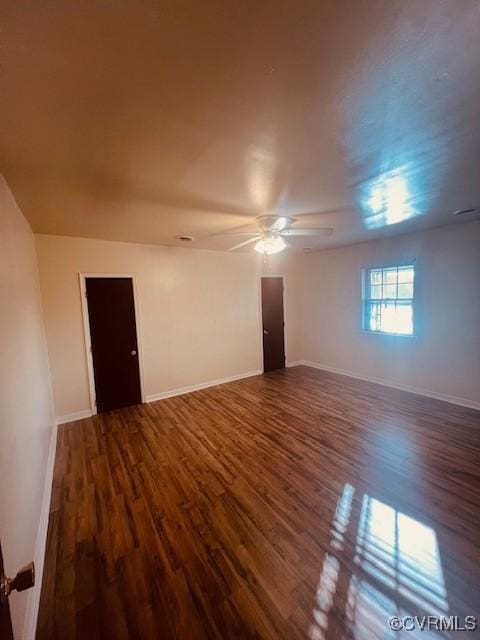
{"points": [[462, 212]]}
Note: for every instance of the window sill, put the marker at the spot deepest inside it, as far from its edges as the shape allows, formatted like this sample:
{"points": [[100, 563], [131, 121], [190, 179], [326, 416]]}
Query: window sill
{"points": [[388, 335]]}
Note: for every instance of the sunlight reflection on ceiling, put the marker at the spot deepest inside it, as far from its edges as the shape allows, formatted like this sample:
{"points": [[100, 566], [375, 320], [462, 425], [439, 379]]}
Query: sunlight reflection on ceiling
{"points": [[387, 200], [399, 570], [261, 173]]}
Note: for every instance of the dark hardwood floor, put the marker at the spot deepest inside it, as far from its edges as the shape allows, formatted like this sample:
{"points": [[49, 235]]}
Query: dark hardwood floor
{"points": [[299, 504]]}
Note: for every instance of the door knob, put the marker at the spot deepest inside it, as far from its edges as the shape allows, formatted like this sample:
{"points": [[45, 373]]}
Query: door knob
{"points": [[133, 353], [265, 332], [24, 579]]}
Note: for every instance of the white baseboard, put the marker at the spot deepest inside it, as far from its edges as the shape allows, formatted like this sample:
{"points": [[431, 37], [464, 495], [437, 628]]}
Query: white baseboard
{"points": [[295, 363], [71, 417], [87, 413], [420, 391], [31, 615], [180, 391]]}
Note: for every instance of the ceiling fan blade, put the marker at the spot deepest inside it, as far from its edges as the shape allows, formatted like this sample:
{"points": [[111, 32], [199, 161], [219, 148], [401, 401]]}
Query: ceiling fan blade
{"points": [[242, 244], [234, 233], [248, 227], [326, 231], [275, 223]]}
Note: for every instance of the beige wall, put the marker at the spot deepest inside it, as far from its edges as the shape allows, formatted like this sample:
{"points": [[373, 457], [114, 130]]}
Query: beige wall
{"points": [[444, 357], [26, 416], [199, 316], [199, 312]]}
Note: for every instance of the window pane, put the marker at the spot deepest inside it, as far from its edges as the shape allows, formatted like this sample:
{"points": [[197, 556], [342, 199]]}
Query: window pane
{"points": [[390, 275], [397, 318], [404, 318], [388, 304], [405, 274], [373, 318], [376, 276], [387, 320], [405, 290], [390, 291]]}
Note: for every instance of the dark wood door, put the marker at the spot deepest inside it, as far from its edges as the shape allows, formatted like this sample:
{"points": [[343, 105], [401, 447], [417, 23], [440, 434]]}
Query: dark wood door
{"points": [[273, 324], [6, 632], [111, 313]]}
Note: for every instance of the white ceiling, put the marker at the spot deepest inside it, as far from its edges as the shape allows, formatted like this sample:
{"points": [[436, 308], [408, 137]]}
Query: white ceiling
{"points": [[141, 121]]}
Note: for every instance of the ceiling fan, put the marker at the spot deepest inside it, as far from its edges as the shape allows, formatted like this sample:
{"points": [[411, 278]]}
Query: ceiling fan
{"points": [[272, 233]]}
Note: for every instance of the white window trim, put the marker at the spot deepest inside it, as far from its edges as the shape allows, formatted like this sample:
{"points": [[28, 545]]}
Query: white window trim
{"points": [[389, 265]]}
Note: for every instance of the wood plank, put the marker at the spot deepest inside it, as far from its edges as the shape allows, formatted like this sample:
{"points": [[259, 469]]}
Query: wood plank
{"points": [[297, 504]]}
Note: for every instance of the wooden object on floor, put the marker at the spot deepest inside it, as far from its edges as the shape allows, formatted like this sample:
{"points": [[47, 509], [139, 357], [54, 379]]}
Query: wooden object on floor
{"points": [[297, 504]]}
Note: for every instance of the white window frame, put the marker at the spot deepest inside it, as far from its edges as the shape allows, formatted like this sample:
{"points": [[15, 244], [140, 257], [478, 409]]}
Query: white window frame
{"points": [[365, 298]]}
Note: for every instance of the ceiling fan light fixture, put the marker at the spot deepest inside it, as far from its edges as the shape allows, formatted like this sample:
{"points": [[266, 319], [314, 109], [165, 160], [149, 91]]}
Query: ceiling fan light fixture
{"points": [[270, 244]]}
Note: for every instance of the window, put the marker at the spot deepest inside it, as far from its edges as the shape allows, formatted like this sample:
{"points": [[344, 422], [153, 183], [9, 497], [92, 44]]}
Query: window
{"points": [[388, 299]]}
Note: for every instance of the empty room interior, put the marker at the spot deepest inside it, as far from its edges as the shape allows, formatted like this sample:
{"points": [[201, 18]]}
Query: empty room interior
{"points": [[240, 322]]}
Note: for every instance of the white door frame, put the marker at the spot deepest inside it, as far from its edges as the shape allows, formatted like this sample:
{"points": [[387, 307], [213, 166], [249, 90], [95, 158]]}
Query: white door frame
{"points": [[284, 296], [87, 335]]}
